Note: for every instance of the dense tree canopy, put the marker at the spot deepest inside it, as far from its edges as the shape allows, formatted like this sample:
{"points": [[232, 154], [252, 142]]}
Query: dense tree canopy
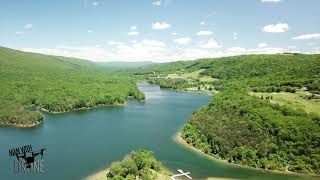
{"points": [[137, 164], [56, 84], [250, 130]]}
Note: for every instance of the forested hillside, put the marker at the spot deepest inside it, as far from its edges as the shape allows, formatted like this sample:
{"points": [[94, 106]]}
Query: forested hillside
{"points": [[55, 84], [251, 130]]}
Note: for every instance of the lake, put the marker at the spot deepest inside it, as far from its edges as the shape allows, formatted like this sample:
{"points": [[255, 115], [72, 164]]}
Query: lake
{"points": [[80, 143]]}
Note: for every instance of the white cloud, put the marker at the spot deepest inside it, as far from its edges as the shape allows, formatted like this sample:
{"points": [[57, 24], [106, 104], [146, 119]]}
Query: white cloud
{"points": [[153, 43], [211, 44], [95, 3], [194, 53], [133, 27], [89, 31], [133, 33], [237, 50], [270, 1], [262, 45], [307, 37], [265, 50], [204, 33], [276, 28], [142, 50], [202, 23], [292, 47], [182, 41], [19, 33], [235, 36], [156, 50], [174, 34], [28, 26], [114, 43], [160, 25], [157, 3]]}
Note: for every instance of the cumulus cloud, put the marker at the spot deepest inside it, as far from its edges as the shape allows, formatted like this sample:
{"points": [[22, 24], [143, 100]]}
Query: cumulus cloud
{"points": [[160, 25], [95, 3], [211, 44], [19, 33], [28, 26], [202, 23], [142, 50], [276, 28], [115, 43], [157, 3], [260, 50], [262, 45], [235, 36], [307, 37], [133, 27], [204, 33], [182, 41], [156, 50], [292, 47], [173, 33], [133, 33], [194, 53]]}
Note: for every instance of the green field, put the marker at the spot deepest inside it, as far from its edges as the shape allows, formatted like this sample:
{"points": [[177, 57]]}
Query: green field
{"points": [[56, 84], [298, 100]]}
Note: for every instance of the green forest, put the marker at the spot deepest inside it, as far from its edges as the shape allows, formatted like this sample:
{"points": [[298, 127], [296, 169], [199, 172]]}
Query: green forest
{"points": [[235, 126], [140, 164], [56, 84], [251, 130]]}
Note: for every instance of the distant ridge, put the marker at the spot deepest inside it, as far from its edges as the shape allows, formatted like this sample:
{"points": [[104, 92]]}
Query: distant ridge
{"points": [[124, 64]]}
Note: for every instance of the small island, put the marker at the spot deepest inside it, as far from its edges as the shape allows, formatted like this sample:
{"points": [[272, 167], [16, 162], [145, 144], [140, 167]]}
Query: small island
{"points": [[140, 164]]}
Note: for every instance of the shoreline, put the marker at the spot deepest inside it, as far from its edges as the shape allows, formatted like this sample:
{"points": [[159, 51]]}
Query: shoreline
{"points": [[83, 108], [209, 93], [23, 126], [102, 174], [43, 110], [177, 138], [98, 175]]}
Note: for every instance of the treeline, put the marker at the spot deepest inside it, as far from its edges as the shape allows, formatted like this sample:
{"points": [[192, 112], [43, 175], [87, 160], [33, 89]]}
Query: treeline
{"points": [[137, 165], [270, 89], [173, 83], [56, 84]]}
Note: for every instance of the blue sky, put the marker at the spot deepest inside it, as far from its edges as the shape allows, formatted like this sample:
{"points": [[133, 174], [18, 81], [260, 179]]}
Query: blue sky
{"points": [[160, 30]]}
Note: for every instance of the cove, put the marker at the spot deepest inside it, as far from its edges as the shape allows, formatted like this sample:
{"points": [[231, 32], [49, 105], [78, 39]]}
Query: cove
{"points": [[80, 143]]}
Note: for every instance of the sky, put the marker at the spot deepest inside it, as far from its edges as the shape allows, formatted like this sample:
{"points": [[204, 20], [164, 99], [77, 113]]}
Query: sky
{"points": [[160, 30]]}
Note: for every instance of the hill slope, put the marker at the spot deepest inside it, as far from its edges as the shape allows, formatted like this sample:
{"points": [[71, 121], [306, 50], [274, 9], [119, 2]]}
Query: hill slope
{"points": [[55, 84], [251, 130]]}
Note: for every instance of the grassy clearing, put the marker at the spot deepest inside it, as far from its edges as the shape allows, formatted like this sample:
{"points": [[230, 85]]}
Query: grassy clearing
{"points": [[193, 75], [294, 100]]}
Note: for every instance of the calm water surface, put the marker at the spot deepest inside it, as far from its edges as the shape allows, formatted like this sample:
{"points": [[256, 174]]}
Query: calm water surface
{"points": [[83, 142]]}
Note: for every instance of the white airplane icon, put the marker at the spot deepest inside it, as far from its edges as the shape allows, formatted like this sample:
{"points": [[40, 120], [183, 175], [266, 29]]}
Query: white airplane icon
{"points": [[181, 174]]}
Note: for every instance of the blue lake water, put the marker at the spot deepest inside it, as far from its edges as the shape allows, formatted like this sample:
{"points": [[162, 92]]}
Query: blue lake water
{"points": [[80, 143]]}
